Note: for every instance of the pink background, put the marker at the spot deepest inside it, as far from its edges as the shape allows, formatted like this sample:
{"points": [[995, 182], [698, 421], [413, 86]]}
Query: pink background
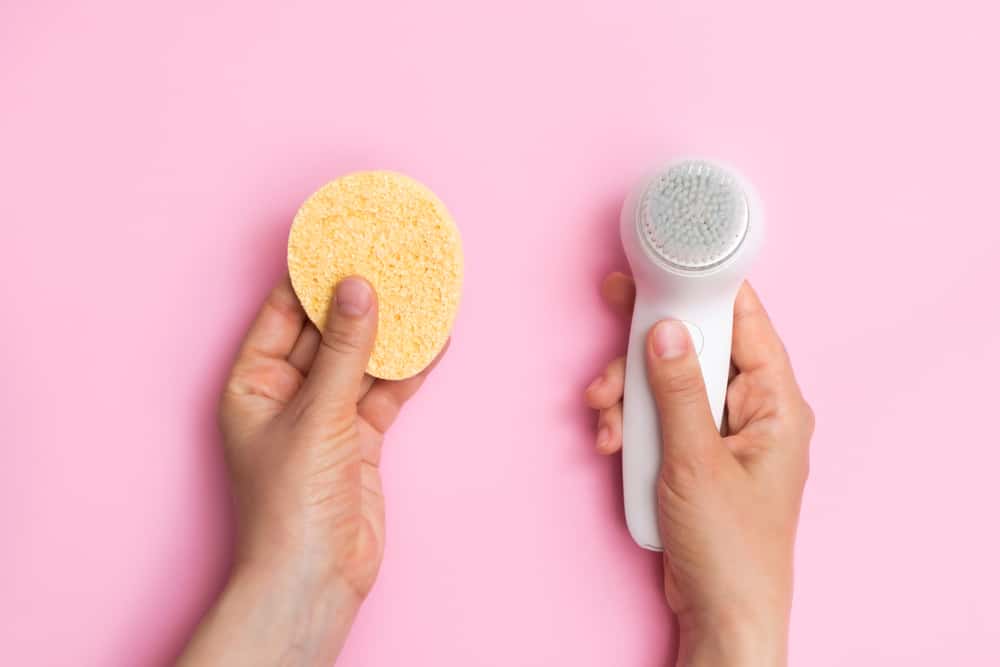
{"points": [[151, 159]]}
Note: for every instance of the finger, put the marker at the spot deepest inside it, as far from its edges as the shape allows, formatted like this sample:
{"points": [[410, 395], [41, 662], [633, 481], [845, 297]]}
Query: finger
{"points": [[304, 350], [607, 389], [618, 291], [366, 383], [277, 325], [345, 345], [371, 443], [686, 423], [609, 429], [755, 342], [381, 405]]}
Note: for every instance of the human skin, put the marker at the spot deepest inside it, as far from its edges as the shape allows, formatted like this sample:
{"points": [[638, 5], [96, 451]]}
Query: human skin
{"points": [[302, 429], [728, 504], [303, 426]]}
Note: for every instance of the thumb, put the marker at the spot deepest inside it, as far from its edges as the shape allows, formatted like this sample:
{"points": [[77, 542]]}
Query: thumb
{"points": [[346, 346], [686, 423]]}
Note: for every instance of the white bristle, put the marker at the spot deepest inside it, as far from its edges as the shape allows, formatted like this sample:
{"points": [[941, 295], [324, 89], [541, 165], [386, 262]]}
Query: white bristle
{"points": [[694, 215]]}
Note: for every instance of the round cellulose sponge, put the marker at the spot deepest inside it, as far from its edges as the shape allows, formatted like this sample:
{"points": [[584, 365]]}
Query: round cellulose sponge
{"points": [[396, 233]]}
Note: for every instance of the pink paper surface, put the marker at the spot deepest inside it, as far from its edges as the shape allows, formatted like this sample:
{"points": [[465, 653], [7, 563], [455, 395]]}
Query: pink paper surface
{"points": [[151, 159]]}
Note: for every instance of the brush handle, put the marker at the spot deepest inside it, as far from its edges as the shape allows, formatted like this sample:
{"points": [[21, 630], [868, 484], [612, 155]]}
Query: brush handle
{"points": [[711, 326]]}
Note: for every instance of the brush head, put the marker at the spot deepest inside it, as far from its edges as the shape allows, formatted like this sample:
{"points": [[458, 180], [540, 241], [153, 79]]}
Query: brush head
{"points": [[693, 216]]}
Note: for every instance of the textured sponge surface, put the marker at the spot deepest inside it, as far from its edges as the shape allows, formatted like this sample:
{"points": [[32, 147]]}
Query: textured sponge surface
{"points": [[396, 233]]}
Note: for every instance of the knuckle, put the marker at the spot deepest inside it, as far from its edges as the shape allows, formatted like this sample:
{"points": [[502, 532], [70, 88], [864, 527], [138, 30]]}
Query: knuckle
{"points": [[679, 479], [337, 425], [342, 341], [677, 474], [683, 472], [283, 302], [681, 382], [666, 494], [669, 490], [320, 413]]}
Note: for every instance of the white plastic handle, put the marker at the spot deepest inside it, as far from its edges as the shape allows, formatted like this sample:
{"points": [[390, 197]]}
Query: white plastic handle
{"points": [[703, 299], [712, 321]]}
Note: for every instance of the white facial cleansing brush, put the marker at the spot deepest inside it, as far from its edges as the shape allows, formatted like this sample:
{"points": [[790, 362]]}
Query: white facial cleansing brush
{"points": [[690, 232]]}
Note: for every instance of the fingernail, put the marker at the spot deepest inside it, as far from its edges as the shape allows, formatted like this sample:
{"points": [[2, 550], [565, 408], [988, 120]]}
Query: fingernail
{"points": [[595, 384], [603, 435], [670, 339], [354, 297]]}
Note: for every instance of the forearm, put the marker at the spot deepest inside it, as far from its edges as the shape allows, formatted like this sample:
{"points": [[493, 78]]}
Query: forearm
{"points": [[273, 618], [726, 643]]}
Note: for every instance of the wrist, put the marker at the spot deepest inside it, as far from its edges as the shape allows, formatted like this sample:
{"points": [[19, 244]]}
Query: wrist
{"points": [[725, 640], [270, 615], [305, 619]]}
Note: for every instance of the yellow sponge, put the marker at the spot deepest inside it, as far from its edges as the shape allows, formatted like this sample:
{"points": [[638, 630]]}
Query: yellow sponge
{"points": [[393, 231]]}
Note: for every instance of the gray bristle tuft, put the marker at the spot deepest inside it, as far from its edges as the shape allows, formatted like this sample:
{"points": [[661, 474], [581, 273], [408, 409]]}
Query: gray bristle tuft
{"points": [[694, 215]]}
